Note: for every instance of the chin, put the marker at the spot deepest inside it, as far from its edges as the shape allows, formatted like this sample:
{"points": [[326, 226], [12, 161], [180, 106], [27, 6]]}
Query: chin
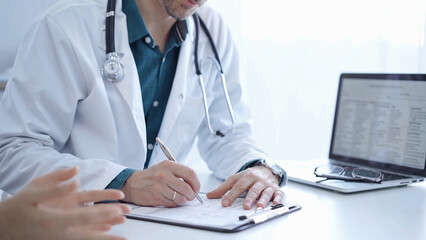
{"points": [[183, 15]]}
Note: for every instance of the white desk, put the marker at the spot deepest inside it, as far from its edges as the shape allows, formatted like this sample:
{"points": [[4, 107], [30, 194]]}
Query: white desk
{"points": [[391, 214]]}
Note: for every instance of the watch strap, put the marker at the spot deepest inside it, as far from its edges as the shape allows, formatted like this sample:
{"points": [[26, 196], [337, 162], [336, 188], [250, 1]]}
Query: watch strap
{"points": [[275, 169]]}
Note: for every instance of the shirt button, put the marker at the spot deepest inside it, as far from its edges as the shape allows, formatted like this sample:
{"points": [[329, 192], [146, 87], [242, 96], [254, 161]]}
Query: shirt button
{"points": [[181, 96], [148, 40], [150, 146], [164, 59], [155, 104]]}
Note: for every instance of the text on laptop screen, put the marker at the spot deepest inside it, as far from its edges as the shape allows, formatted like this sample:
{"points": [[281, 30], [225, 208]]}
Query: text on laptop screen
{"points": [[382, 121]]}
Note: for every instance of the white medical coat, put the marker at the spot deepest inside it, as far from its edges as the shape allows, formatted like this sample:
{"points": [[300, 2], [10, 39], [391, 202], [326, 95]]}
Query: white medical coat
{"points": [[58, 111]]}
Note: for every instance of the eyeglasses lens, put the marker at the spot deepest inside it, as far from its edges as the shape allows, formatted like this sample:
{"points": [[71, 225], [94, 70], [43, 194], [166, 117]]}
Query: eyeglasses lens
{"points": [[365, 173], [329, 170]]}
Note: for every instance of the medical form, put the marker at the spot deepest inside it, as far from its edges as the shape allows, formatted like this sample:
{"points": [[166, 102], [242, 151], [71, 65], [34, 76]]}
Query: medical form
{"points": [[210, 215]]}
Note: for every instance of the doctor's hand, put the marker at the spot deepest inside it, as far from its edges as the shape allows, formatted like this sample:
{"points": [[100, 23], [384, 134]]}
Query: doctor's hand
{"points": [[47, 209], [258, 181], [160, 185]]}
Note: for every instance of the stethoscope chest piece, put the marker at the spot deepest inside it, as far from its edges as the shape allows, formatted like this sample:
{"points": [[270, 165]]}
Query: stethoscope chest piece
{"points": [[113, 70]]}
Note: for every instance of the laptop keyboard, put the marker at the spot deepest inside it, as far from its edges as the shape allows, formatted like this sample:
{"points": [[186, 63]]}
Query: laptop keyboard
{"points": [[393, 176]]}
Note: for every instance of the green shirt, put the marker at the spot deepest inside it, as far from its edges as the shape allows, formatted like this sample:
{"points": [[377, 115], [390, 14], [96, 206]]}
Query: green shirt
{"points": [[156, 73], [156, 70]]}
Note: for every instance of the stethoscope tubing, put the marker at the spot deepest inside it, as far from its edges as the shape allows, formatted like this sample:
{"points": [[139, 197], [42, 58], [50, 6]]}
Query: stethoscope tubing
{"points": [[110, 26], [118, 72], [199, 22]]}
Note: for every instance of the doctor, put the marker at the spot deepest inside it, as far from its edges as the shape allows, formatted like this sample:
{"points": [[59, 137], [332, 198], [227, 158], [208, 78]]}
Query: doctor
{"points": [[60, 110]]}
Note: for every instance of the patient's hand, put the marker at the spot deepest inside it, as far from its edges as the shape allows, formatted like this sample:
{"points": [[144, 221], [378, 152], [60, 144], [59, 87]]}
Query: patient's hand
{"points": [[47, 209]]}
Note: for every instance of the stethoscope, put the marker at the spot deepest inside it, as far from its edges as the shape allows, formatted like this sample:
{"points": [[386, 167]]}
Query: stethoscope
{"points": [[114, 71]]}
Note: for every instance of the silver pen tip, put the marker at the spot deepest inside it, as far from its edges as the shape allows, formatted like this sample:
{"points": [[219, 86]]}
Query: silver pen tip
{"points": [[199, 199]]}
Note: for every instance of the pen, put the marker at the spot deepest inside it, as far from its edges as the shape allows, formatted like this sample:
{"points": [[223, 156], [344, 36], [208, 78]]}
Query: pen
{"points": [[169, 155], [273, 207]]}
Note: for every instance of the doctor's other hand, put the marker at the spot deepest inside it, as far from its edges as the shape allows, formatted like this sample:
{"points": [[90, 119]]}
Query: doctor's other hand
{"points": [[47, 209], [162, 185], [260, 183]]}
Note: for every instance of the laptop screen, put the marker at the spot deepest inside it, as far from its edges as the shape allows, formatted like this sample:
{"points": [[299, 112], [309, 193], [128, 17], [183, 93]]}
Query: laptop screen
{"points": [[380, 119]]}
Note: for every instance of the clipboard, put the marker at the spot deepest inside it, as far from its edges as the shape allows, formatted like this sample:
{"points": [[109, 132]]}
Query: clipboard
{"points": [[211, 215]]}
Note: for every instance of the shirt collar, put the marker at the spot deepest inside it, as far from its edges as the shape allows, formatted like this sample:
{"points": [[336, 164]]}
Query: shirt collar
{"points": [[136, 27]]}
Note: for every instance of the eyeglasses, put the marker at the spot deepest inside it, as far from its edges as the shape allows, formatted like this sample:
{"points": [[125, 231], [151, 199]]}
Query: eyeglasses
{"points": [[352, 174]]}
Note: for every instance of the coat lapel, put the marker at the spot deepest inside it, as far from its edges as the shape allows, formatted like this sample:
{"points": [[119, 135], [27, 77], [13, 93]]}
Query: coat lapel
{"points": [[184, 74], [129, 87]]}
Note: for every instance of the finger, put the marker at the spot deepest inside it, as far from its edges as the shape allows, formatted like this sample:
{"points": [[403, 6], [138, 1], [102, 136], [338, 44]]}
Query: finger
{"points": [[96, 214], [40, 195], [266, 197], [79, 233], [166, 202], [100, 236], [102, 227], [117, 220], [224, 187], [181, 187], [187, 174], [241, 186], [107, 237], [254, 194], [177, 198], [95, 227], [55, 177], [160, 197], [107, 226], [125, 208], [99, 195], [278, 197]]}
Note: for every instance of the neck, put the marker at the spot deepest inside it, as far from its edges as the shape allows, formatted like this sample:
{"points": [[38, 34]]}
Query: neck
{"points": [[157, 21]]}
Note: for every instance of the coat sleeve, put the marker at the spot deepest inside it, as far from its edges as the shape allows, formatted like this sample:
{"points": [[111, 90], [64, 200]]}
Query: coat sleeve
{"points": [[226, 155], [38, 109]]}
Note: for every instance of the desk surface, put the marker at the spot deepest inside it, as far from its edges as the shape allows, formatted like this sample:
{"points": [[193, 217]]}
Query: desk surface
{"points": [[395, 213]]}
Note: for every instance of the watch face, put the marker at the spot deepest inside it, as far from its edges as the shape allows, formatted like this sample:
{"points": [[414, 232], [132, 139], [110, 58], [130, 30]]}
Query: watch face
{"points": [[276, 169]]}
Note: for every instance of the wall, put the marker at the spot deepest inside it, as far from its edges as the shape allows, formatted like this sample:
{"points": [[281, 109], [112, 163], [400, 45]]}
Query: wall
{"points": [[292, 53]]}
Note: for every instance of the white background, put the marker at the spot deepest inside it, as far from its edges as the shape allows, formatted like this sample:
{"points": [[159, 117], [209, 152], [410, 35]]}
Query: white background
{"points": [[292, 53]]}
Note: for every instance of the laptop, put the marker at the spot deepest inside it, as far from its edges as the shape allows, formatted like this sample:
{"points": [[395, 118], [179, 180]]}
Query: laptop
{"points": [[379, 125]]}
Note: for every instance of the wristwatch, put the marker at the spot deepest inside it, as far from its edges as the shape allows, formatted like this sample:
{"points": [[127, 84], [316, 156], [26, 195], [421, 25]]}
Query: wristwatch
{"points": [[275, 169]]}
